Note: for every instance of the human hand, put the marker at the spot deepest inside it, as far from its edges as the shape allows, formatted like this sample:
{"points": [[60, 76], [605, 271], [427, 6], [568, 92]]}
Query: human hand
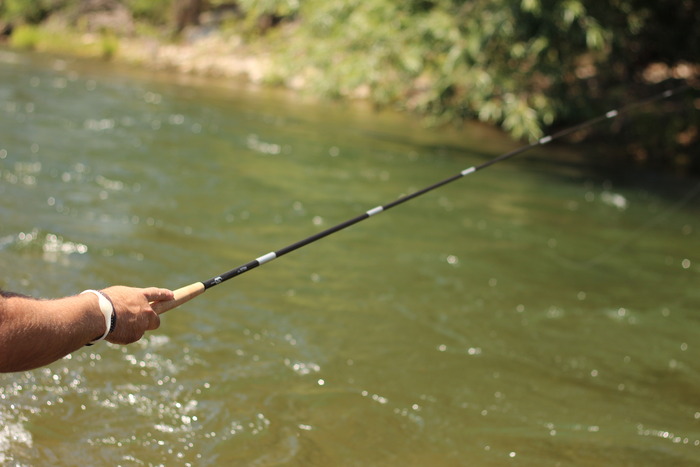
{"points": [[133, 310]]}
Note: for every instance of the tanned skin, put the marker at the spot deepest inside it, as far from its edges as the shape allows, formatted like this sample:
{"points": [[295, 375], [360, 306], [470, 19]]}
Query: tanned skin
{"points": [[34, 332]]}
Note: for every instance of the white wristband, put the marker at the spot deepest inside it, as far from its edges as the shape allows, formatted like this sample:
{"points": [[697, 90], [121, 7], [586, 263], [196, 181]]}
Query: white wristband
{"points": [[106, 308]]}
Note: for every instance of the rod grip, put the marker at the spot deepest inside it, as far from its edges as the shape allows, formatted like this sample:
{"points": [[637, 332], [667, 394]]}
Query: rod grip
{"points": [[182, 295]]}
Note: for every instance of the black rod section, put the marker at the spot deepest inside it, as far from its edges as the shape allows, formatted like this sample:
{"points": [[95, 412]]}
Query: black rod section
{"points": [[343, 225]]}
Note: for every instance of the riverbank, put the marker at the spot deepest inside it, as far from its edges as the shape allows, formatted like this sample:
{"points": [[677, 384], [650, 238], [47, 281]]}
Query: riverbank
{"points": [[210, 56], [201, 52], [222, 49]]}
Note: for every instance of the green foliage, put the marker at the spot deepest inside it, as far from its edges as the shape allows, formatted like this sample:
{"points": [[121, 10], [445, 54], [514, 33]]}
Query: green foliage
{"points": [[32, 37], [25, 37], [260, 14], [516, 63], [152, 11], [29, 11], [493, 60], [270, 7], [109, 44]]}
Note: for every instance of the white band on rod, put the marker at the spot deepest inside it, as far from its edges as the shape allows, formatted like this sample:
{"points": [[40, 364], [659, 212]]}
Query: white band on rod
{"points": [[106, 308], [265, 258], [375, 211]]}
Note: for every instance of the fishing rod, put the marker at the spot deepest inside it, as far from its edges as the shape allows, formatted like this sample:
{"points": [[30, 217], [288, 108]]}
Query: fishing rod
{"points": [[188, 292]]}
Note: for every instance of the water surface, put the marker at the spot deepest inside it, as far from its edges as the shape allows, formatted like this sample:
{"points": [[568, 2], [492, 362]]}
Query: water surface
{"points": [[541, 312]]}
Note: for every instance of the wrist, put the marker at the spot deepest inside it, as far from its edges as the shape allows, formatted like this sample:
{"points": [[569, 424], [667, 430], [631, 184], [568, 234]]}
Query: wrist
{"points": [[108, 312]]}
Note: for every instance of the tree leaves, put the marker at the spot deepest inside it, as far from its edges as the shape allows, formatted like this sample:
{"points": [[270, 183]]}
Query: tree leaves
{"points": [[516, 63]]}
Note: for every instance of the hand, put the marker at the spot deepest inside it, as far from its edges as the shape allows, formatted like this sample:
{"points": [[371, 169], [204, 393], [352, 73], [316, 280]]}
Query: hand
{"points": [[133, 311]]}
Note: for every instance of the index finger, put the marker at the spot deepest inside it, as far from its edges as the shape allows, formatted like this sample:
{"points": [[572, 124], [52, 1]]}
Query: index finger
{"points": [[156, 294], [179, 296]]}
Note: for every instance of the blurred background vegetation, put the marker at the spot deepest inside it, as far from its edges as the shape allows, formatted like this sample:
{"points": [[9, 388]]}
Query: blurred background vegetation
{"points": [[530, 66]]}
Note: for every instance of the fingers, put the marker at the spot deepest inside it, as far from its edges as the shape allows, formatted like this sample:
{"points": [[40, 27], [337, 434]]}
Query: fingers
{"points": [[155, 294], [153, 321], [132, 324], [134, 312]]}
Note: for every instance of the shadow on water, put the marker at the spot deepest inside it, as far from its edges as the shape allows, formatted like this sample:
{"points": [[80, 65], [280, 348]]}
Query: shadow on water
{"points": [[587, 156]]}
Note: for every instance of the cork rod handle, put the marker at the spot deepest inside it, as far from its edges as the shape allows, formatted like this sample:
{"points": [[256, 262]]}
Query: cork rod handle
{"points": [[182, 295]]}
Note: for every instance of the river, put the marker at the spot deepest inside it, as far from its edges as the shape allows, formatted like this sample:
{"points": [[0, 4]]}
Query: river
{"points": [[543, 311]]}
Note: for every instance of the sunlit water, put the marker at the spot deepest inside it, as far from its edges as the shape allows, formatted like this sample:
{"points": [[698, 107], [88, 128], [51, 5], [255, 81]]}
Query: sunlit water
{"points": [[541, 312]]}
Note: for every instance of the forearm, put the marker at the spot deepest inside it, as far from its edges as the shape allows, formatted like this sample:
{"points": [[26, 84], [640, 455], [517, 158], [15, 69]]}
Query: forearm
{"points": [[34, 333]]}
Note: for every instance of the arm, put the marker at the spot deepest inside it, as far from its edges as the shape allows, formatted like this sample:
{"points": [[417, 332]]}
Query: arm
{"points": [[34, 332]]}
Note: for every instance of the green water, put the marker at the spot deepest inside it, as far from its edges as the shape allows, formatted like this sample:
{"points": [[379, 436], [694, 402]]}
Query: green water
{"points": [[541, 312]]}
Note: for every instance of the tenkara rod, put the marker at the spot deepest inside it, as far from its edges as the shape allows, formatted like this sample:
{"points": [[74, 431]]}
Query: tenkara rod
{"points": [[188, 292]]}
